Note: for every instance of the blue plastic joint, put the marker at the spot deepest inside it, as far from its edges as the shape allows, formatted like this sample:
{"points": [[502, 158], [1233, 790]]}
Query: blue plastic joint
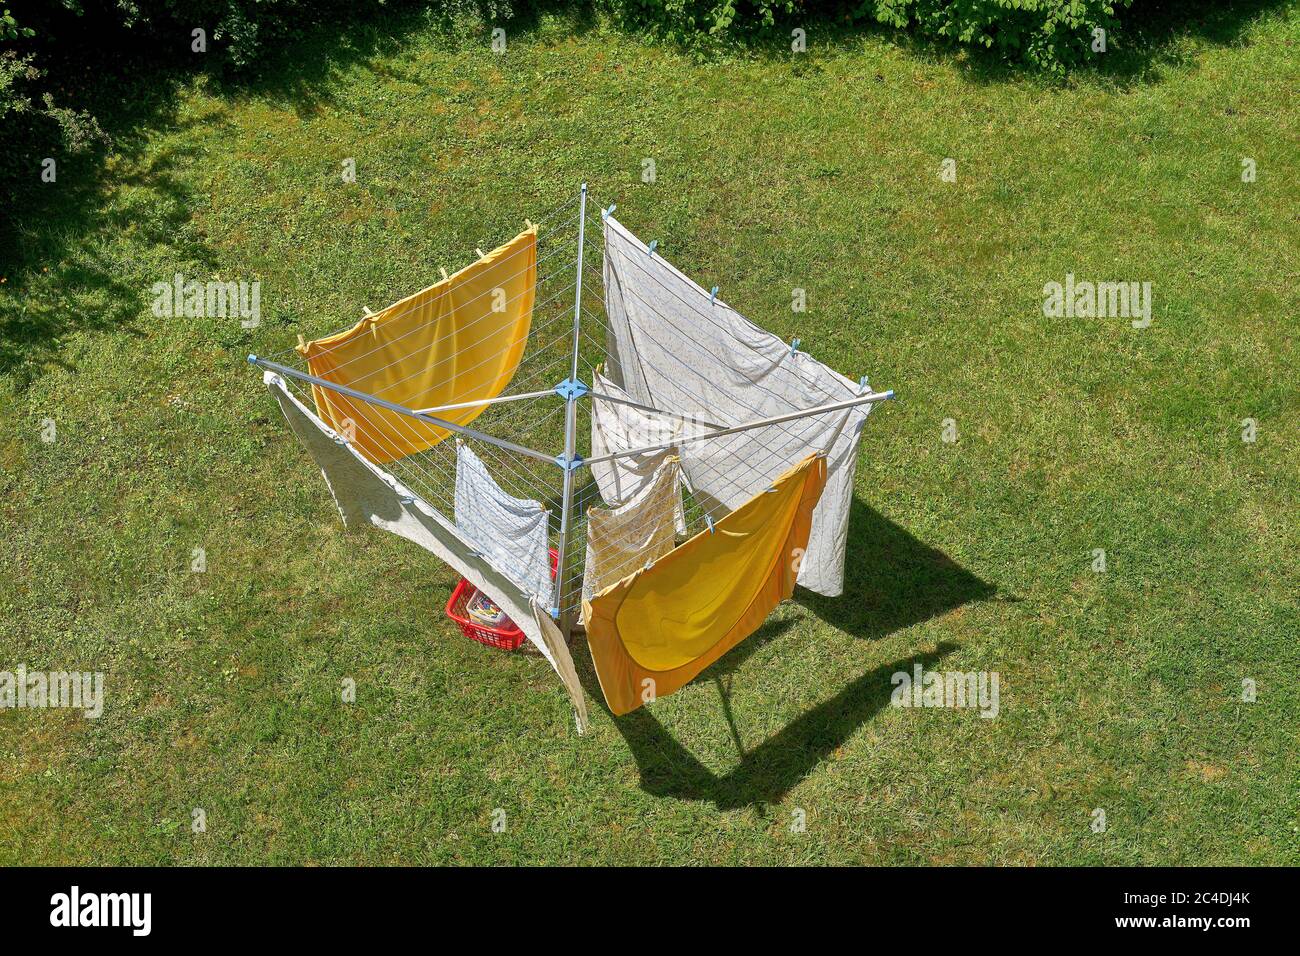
{"points": [[606, 213], [713, 295], [567, 463], [794, 346], [654, 243], [571, 388]]}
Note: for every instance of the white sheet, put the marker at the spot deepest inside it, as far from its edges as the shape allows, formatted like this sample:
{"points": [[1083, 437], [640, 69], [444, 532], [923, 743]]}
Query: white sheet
{"points": [[673, 349], [623, 540], [512, 532], [616, 427], [368, 495]]}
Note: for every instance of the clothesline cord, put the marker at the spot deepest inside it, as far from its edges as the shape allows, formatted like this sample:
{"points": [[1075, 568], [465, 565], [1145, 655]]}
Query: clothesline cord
{"points": [[541, 236], [429, 303]]}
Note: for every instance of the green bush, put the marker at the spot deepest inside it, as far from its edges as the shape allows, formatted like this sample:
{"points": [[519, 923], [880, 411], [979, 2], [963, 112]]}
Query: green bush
{"points": [[686, 19], [25, 107], [1048, 33], [1053, 34], [44, 47]]}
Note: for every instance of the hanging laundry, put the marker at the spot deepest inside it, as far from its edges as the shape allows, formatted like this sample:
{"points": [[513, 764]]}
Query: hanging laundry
{"points": [[623, 540], [511, 532], [458, 341], [657, 629], [616, 427], [367, 495], [673, 345]]}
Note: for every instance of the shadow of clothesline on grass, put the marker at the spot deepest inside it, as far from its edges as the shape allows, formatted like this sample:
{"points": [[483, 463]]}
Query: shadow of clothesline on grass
{"points": [[892, 581], [766, 772]]}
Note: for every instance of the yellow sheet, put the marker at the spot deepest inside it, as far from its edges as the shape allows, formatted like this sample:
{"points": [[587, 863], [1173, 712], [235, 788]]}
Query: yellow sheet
{"points": [[457, 341], [668, 622]]}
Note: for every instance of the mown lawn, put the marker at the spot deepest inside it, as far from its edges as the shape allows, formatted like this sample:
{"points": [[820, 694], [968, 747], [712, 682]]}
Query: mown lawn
{"points": [[1119, 690]]}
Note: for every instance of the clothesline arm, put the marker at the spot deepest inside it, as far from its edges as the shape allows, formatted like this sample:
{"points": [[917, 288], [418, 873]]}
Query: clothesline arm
{"points": [[746, 426], [401, 409]]}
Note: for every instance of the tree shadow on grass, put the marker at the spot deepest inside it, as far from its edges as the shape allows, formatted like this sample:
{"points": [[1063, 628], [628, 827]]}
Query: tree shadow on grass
{"points": [[57, 238], [60, 274], [57, 279], [892, 581], [303, 75]]}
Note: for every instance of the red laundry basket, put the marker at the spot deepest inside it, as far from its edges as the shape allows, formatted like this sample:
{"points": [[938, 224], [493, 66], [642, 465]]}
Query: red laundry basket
{"points": [[507, 637]]}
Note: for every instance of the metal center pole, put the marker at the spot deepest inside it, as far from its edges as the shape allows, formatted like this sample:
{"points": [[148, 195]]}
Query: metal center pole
{"points": [[563, 591]]}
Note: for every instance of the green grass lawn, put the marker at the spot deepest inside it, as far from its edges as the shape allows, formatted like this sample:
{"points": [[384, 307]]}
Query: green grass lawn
{"points": [[1119, 690]]}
